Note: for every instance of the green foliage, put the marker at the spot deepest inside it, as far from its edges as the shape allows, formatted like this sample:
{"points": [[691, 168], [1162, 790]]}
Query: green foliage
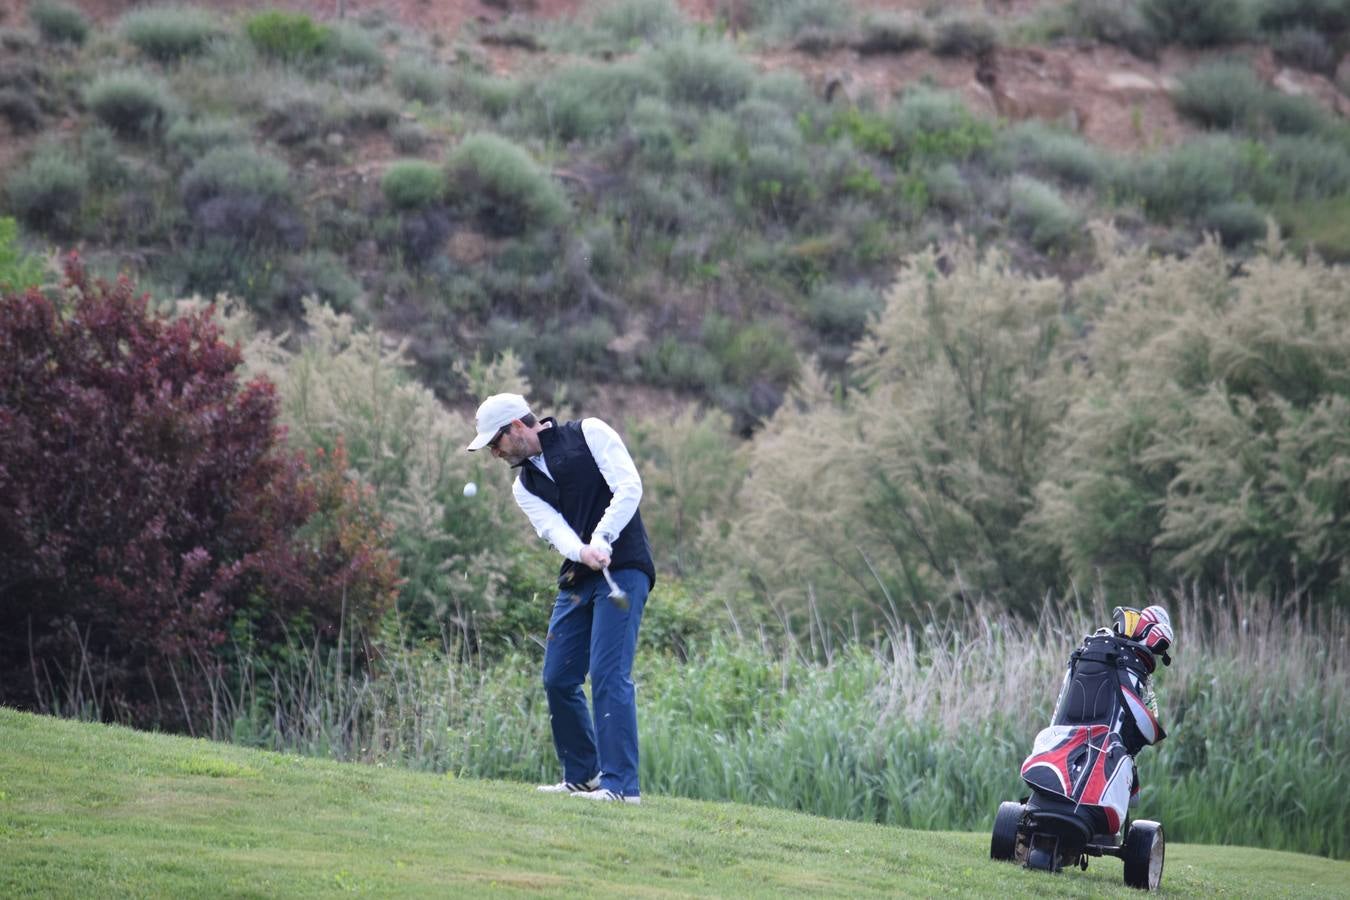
{"points": [[931, 124], [1322, 226], [59, 23], [236, 169], [467, 562], [169, 33], [191, 139], [1196, 175], [18, 270], [417, 79], [885, 32], [683, 365], [1038, 149], [1039, 213], [628, 23], [287, 36], [503, 187], [1325, 16], [488, 94], [1202, 440], [20, 109], [691, 469], [1118, 22], [1306, 48], [1229, 95], [132, 103], [585, 102], [353, 48], [964, 37], [1236, 223], [1198, 23], [48, 192], [703, 74], [412, 184]]}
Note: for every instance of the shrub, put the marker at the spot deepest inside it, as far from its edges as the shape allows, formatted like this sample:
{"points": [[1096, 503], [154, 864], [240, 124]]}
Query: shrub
{"points": [[506, 190], [1041, 215], [1198, 23], [682, 365], [416, 79], [290, 37], [319, 275], [20, 110], [585, 102], [840, 313], [48, 192], [241, 196], [1229, 95], [1037, 148], [1310, 168], [1306, 48], [169, 33], [1200, 440], [147, 499], [1194, 176], [102, 159], [353, 48], [930, 124], [131, 103], [18, 270], [59, 23], [630, 22], [409, 137], [1237, 222], [191, 139], [1325, 16], [890, 33], [412, 184], [933, 455], [704, 74], [487, 94], [1118, 22], [963, 37]]}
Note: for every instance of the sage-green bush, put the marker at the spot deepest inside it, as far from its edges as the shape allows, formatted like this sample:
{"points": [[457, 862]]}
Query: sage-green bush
{"points": [[132, 103], [48, 192], [412, 184], [1198, 23], [703, 74], [1041, 215], [417, 79], [59, 23], [586, 102], [169, 33], [502, 186]]}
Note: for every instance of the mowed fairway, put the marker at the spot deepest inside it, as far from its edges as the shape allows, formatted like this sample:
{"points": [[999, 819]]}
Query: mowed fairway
{"points": [[89, 810]]}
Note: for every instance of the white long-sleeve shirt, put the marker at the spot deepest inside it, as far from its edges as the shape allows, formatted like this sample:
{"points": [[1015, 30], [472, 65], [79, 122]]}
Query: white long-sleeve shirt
{"points": [[616, 467]]}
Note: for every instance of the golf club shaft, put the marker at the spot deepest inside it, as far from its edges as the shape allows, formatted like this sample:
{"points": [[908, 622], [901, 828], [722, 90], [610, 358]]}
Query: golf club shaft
{"points": [[616, 593]]}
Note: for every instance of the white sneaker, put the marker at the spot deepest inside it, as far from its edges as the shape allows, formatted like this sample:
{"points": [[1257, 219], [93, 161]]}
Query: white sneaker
{"points": [[570, 787], [608, 796]]}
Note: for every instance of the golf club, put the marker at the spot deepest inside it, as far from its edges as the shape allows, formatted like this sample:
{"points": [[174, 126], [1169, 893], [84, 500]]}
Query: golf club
{"points": [[616, 593]]}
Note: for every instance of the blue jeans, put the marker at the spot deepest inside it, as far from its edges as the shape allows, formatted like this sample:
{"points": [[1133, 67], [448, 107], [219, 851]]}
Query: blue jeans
{"points": [[589, 633]]}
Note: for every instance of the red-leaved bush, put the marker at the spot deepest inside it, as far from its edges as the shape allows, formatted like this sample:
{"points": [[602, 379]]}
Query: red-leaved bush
{"points": [[146, 498]]}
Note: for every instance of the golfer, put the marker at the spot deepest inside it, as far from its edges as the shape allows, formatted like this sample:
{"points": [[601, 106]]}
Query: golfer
{"points": [[580, 490]]}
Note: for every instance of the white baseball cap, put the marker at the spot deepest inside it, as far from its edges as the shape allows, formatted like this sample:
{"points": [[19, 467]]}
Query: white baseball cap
{"points": [[494, 414]]}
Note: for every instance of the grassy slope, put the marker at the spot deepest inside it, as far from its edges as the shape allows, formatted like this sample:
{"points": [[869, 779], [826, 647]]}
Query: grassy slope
{"points": [[101, 810]]}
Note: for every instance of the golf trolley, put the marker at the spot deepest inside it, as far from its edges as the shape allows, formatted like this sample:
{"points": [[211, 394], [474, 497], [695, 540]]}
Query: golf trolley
{"points": [[1081, 769]]}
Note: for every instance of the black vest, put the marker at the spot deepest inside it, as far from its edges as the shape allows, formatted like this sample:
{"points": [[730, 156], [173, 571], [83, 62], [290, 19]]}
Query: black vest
{"points": [[582, 495]]}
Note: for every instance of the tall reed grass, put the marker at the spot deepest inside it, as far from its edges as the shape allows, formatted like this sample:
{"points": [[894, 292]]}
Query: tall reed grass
{"points": [[923, 728]]}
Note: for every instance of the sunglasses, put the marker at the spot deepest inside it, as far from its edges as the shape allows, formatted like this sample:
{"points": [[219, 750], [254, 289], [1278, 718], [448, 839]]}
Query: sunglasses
{"points": [[492, 444]]}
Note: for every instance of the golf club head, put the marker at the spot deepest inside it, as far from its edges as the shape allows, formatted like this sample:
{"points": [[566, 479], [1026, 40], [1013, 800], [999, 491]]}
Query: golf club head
{"points": [[616, 593]]}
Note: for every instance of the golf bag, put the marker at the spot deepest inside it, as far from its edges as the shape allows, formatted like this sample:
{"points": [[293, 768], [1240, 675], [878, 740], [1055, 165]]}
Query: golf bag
{"points": [[1081, 769]]}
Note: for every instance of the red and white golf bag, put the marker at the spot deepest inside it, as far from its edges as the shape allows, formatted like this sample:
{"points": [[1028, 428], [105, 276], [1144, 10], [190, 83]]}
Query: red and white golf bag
{"points": [[1081, 768]]}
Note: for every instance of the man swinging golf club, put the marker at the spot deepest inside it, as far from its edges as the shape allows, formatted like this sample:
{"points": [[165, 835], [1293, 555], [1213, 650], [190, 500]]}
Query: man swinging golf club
{"points": [[580, 490]]}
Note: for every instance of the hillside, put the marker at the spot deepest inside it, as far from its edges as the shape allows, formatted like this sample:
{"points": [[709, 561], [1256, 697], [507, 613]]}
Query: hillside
{"points": [[96, 811], [649, 202]]}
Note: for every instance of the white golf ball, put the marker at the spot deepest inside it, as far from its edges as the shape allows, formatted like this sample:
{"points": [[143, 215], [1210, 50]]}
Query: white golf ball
{"points": [[470, 489]]}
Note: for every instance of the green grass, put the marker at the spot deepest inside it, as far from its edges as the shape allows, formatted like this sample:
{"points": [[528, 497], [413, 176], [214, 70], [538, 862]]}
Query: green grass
{"points": [[90, 810]]}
